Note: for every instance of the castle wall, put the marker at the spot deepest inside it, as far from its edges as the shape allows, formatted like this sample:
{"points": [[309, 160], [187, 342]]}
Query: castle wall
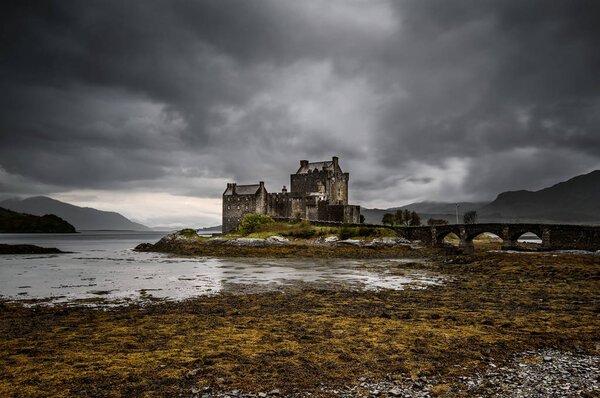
{"points": [[279, 205], [310, 182], [339, 188], [235, 207], [332, 185], [352, 214]]}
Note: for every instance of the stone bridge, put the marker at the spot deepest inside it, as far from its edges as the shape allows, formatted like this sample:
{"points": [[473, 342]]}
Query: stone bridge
{"points": [[553, 236]]}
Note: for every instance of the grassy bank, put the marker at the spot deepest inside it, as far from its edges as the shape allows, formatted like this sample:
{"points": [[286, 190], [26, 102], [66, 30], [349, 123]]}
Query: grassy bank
{"points": [[497, 304]]}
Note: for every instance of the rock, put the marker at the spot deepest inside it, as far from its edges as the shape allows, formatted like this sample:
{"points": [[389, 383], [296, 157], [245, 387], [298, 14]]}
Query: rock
{"points": [[547, 359], [262, 394], [351, 242], [216, 241], [274, 392], [186, 235], [277, 240], [388, 242], [597, 253], [247, 242], [192, 373], [142, 247], [396, 392], [331, 239]]}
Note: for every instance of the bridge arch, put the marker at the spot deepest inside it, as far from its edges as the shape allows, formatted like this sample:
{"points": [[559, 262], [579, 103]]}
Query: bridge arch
{"points": [[515, 232], [440, 236]]}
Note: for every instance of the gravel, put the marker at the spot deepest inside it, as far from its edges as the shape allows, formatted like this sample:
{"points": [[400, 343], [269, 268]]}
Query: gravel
{"points": [[542, 373]]}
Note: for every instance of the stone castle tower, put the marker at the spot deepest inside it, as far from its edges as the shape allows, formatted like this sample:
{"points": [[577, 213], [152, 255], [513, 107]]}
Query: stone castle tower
{"points": [[318, 192]]}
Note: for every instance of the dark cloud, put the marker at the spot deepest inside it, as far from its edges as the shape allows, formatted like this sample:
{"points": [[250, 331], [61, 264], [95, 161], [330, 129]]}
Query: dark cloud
{"points": [[421, 99]]}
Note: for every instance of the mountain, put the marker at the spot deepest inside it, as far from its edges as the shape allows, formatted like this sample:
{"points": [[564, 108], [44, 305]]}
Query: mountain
{"points": [[426, 210], [574, 201], [82, 218], [13, 222]]}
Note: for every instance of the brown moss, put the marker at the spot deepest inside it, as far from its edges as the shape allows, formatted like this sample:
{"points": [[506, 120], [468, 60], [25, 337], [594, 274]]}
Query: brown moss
{"points": [[498, 304]]}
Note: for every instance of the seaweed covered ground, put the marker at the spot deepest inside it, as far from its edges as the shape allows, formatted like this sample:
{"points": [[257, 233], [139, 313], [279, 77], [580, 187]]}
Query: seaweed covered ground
{"points": [[493, 305]]}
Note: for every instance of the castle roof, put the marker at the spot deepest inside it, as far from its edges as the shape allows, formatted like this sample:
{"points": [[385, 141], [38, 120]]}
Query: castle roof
{"points": [[243, 189], [325, 165]]}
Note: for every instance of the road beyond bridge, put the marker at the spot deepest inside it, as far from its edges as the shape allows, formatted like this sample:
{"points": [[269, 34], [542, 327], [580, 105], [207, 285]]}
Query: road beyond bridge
{"points": [[553, 236]]}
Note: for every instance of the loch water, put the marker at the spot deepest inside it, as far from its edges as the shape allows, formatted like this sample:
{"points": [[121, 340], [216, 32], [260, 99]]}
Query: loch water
{"points": [[103, 264]]}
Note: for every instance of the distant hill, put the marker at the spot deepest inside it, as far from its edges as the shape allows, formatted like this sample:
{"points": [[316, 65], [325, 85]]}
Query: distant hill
{"points": [[82, 218], [13, 222], [574, 201], [426, 210]]}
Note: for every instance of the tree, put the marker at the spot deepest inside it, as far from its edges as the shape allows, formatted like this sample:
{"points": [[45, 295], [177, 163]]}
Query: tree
{"points": [[388, 219], [361, 219], [399, 217], [470, 217], [415, 220], [407, 216]]}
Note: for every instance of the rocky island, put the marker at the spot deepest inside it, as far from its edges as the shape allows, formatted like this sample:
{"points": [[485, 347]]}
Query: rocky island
{"points": [[266, 238]]}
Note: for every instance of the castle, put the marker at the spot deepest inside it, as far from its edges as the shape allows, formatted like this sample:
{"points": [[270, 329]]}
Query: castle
{"points": [[318, 191]]}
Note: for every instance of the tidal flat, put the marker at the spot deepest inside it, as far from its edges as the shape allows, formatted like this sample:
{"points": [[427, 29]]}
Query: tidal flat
{"points": [[309, 339]]}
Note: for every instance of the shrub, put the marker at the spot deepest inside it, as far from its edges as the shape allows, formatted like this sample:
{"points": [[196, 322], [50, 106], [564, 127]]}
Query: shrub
{"points": [[365, 231], [189, 233], [253, 223], [384, 233], [346, 231], [303, 230]]}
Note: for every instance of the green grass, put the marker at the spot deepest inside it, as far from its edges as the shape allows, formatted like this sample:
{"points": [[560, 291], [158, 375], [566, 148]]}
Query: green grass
{"points": [[305, 230], [192, 234]]}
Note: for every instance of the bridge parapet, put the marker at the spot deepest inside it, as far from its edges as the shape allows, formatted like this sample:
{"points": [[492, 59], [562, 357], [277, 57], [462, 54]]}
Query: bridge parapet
{"points": [[553, 236]]}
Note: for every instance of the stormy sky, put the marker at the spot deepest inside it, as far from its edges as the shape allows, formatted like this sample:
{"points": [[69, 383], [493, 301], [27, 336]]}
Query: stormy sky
{"points": [[150, 107]]}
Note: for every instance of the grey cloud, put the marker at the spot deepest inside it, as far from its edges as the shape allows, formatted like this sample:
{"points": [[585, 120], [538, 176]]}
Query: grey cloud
{"points": [[110, 94]]}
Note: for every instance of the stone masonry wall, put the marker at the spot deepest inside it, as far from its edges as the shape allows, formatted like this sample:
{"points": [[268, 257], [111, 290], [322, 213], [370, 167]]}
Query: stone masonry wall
{"points": [[234, 209]]}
